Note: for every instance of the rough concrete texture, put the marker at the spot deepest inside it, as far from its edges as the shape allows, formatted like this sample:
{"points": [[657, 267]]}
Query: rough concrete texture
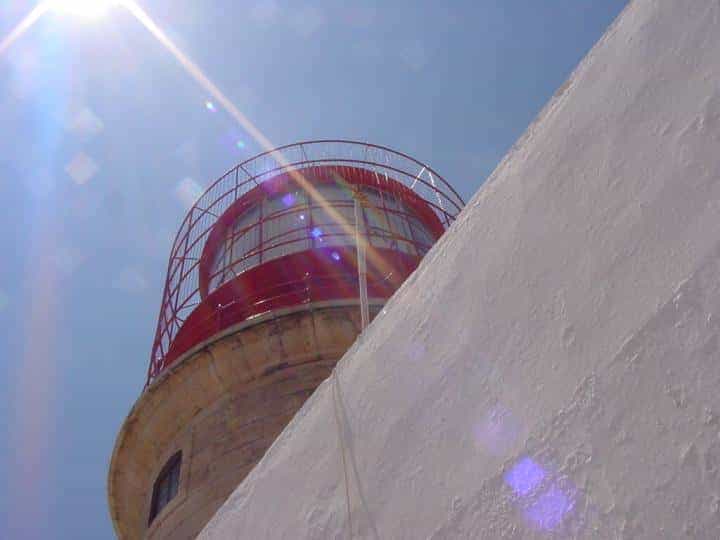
{"points": [[551, 369]]}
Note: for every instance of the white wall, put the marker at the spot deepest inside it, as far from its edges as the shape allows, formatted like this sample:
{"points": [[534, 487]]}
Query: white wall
{"points": [[552, 368]]}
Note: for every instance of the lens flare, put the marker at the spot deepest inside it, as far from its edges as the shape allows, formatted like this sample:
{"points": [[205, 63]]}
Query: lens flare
{"points": [[87, 9], [24, 25], [221, 100], [93, 8], [525, 476], [188, 191], [288, 200]]}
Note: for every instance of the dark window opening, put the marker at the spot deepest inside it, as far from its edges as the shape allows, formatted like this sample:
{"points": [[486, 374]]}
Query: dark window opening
{"points": [[166, 485]]}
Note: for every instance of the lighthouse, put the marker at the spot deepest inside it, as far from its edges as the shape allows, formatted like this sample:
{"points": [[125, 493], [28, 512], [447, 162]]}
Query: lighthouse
{"points": [[274, 272]]}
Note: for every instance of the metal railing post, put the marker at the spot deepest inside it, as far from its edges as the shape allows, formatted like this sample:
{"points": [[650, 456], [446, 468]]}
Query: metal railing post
{"points": [[360, 240]]}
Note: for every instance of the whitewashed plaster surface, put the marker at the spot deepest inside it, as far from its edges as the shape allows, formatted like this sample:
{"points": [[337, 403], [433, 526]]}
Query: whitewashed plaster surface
{"points": [[552, 369]]}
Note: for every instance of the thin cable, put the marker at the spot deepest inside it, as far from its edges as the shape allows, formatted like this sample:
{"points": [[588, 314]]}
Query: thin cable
{"points": [[338, 423]]}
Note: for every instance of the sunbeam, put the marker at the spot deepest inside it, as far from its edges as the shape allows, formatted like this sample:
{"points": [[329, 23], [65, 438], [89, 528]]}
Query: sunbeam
{"points": [[24, 25], [88, 9], [92, 8], [196, 73]]}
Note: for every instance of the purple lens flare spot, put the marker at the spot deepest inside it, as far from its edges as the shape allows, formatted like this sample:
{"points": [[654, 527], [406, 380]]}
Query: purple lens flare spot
{"points": [[550, 508], [288, 200], [524, 477]]}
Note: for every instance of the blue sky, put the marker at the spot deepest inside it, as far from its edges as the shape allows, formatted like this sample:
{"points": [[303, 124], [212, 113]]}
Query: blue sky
{"points": [[100, 126]]}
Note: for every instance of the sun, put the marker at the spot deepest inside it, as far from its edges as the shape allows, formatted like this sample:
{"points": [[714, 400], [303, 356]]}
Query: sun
{"points": [[88, 9]]}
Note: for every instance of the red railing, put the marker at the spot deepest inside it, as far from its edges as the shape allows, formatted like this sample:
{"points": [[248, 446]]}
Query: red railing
{"points": [[303, 277], [183, 293]]}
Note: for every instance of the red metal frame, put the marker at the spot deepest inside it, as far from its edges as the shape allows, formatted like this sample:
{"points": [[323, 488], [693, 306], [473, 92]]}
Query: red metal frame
{"points": [[283, 184], [191, 313]]}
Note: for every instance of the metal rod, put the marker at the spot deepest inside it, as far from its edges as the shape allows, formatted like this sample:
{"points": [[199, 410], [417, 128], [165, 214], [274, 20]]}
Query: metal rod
{"points": [[362, 264]]}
